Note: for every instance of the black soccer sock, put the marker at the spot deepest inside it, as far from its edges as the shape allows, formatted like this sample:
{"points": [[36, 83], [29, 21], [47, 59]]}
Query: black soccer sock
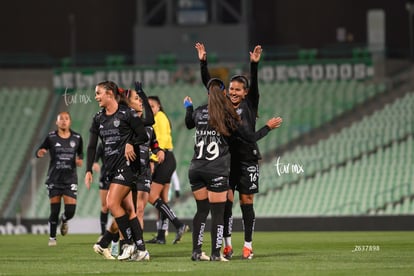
{"points": [[54, 218], [248, 221], [104, 221], [199, 224], [115, 237], [69, 212], [125, 228], [228, 218], [106, 239], [167, 212], [160, 230], [137, 233], [217, 227]]}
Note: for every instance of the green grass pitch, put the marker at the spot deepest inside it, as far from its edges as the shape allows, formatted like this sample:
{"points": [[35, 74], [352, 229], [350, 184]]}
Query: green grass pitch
{"points": [[276, 253]]}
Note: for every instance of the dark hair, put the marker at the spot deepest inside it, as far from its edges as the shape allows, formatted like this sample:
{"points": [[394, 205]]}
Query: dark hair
{"points": [[241, 79], [219, 82], [221, 114], [124, 96], [112, 86], [157, 99]]}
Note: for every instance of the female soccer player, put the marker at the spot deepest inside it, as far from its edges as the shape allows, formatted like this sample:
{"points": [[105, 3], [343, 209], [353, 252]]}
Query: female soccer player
{"points": [[244, 169], [66, 153], [120, 129], [210, 165]]}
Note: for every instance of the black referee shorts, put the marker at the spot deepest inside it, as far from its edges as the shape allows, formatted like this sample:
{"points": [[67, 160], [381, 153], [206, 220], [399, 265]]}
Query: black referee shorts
{"points": [[163, 171]]}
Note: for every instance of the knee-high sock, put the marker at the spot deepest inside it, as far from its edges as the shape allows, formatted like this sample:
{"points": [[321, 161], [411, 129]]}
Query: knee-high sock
{"points": [[228, 218], [69, 212], [167, 212], [248, 221], [217, 227], [137, 233], [199, 224], [125, 228], [103, 221], [53, 219]]}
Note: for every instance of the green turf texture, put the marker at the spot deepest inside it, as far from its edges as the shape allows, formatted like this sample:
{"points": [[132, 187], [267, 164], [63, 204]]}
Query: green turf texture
{"points": [[275, 253]]}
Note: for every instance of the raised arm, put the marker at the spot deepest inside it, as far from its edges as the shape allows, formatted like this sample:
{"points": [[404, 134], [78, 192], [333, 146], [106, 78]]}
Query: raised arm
{"points": [[202, 56], [189, 121], [148, 118], [253, 95]]}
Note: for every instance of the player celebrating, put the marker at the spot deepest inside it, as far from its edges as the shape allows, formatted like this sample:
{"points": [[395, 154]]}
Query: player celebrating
{"points": [[209, 168]]}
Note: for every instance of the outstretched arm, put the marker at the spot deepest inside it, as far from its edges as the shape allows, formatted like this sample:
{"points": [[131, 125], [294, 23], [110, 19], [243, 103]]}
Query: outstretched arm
{"points": [[202, 56], [272, 123]]}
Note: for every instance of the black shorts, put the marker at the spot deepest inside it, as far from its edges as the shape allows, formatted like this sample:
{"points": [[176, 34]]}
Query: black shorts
{"points": [[144, 180], [104, 182], [123, 176], [163, 171], [244, 177], [70, 190], [215, 183]]}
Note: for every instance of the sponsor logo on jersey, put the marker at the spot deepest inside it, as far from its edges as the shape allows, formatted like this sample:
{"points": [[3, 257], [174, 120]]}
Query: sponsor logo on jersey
{"points": [[251, 169], [101, 126], [58, 144]]}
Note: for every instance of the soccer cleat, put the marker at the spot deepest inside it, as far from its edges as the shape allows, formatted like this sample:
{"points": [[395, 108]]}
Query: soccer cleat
{"points": [[139, 255], [247, 253], [52, 242], [180, 232], [103, 251], [218, 258], [114, 248], [228, 252], [156, 241], [199, 256], [127, 251], [64, 227]]}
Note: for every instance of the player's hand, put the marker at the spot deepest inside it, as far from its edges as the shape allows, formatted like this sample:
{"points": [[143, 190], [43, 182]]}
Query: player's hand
{"points": [[274, 122], [256, 54], [79, 162], [187, 102], [88, 180], [138, 87], [160, 156], [41, 153], [130, 153], [201, 50], [96, 167]]}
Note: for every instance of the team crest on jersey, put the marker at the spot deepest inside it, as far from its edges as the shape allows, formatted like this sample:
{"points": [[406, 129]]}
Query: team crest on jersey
{"points": [[239, 111], [117, 122], [72, 144]]}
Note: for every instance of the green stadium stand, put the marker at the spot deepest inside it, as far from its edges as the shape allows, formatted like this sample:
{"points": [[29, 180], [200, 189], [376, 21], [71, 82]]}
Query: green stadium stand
{"points": [[21, 110]]}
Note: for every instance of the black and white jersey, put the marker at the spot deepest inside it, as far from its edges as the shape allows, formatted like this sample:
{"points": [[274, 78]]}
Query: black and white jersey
{"points": [[115, 131], [151, 146], [244, 147], [211, 149], [63, 152]]}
